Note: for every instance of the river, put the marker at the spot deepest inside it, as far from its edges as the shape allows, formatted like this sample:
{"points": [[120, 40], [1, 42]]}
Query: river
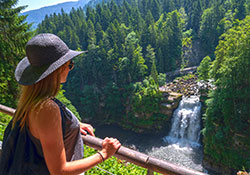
{"points": [[180, 146]]}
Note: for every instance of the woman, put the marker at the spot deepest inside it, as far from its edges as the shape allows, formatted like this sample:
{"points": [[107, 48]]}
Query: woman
{"points": [[44, 136]]}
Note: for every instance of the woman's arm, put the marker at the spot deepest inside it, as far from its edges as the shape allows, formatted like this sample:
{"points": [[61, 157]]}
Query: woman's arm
{"points": [[49, 129]]}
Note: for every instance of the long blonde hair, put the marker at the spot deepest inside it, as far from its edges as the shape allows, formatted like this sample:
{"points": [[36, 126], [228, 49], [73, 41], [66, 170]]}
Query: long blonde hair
{"points": [[33, 95]]}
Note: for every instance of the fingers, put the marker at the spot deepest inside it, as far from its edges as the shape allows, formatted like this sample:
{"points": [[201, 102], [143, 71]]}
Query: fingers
{"points": [[112, 141], [88, 128], [83, 131], [110, 146]]}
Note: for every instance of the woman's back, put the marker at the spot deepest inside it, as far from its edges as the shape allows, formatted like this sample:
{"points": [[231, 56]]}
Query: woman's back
{"points": [[69, 128]]}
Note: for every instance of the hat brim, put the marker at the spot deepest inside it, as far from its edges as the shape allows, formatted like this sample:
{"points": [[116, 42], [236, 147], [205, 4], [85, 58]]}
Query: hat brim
{"points": [[26, 74]]}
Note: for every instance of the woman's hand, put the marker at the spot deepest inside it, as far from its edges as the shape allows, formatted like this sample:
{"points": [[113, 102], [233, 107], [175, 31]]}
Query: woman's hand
{"points": [[86, 127], [109, 147]]}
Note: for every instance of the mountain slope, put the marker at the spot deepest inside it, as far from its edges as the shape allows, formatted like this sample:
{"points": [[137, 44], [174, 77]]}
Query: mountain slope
{"points": [[36, 16]]}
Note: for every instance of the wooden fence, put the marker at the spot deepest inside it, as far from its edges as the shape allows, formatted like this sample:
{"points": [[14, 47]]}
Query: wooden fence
{"points": [[135, 157]]}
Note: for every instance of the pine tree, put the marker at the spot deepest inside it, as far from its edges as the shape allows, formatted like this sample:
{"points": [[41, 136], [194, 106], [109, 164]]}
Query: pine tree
{"points": [[150, 57], [91, 38], [99, 32], [175, 39], [209, 34], [83, 35], [90, 15], [14, 34], [196, 17], [160, 61], [149, 18], [155, 9], [168, 6], [115, 12], [226, 134], [203, 69], [239, 8]]}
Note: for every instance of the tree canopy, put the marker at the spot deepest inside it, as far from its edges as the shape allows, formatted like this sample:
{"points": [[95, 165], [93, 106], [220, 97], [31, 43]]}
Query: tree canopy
{"points": [[14, 33], [226, 135]]}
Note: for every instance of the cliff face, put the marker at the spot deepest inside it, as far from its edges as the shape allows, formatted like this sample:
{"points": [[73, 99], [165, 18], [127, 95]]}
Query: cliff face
{"points": [[169, 103], [158, 121]]}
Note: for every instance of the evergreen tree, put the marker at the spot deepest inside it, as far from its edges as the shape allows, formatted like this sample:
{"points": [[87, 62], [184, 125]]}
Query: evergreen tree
{"points": [[115, 12], [247, 5], [239, 8], [226, 134], [90, 14], [83, 35], [14, 34], [155, 9], [91, 38], [144, 7], [209, 34], [149, 18], [117, 37], [132, 64], [99, 32], [203, 69], [168, 6], [195, 17], [151, 56], [112, 34], [175, 39], [160, 61], [125, 17], [105, 17], [138, 22]]}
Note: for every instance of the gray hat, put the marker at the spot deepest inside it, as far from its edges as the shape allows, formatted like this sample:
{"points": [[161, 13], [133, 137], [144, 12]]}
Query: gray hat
{"points": [[44, 54]]}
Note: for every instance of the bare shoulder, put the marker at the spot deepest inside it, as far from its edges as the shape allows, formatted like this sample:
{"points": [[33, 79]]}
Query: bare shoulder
{"points": [[46, 106], [47, 111]]}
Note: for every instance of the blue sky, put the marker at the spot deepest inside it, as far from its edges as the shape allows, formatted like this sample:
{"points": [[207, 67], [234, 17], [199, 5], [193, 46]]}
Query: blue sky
{"points": [[36, 4]]}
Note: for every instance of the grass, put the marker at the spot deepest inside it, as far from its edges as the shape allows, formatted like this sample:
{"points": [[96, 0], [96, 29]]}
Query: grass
{"points": [[114, 166]]}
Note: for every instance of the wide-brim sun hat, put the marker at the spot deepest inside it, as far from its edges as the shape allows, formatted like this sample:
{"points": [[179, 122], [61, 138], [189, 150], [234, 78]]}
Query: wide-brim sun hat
{"points": [[45, 53]]}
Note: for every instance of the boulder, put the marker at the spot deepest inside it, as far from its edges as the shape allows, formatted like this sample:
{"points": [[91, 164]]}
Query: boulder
{"points": [[170, 103]]}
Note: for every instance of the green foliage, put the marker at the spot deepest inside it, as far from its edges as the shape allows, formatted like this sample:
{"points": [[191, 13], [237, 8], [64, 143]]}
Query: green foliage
{"points": [[117, 37], [4, 120], [186, 77], [109, 82], [226, 135], [151, 60], [90, 100], [161, 79], [209, 34], [203, 69], [147, 96], [60, 96], [14, 33], [114, 165], [186, 50]]}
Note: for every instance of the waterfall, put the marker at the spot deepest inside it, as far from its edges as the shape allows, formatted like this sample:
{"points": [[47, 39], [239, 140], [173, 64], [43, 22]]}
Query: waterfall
{"points": [[185, 130], [180, 146]]}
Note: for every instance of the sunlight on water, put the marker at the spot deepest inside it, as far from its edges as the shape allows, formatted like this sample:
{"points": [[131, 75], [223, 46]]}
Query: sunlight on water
{"points": [[182, 143], [181, 146]]}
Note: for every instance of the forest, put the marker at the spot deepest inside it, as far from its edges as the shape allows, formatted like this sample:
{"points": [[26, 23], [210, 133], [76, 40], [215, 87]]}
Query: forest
{"points": [[131, 45]]}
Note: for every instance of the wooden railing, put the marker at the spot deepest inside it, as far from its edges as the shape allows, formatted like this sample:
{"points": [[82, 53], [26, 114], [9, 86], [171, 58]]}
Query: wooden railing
{"points": [[135, 157]]}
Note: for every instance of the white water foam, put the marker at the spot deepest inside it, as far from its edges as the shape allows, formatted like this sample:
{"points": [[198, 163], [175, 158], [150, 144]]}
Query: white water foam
{"points": [[182, 143], [185, 130]]}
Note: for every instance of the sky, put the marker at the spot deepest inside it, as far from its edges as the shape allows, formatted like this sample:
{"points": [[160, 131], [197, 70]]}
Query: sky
{"points": [[36, 4]]}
